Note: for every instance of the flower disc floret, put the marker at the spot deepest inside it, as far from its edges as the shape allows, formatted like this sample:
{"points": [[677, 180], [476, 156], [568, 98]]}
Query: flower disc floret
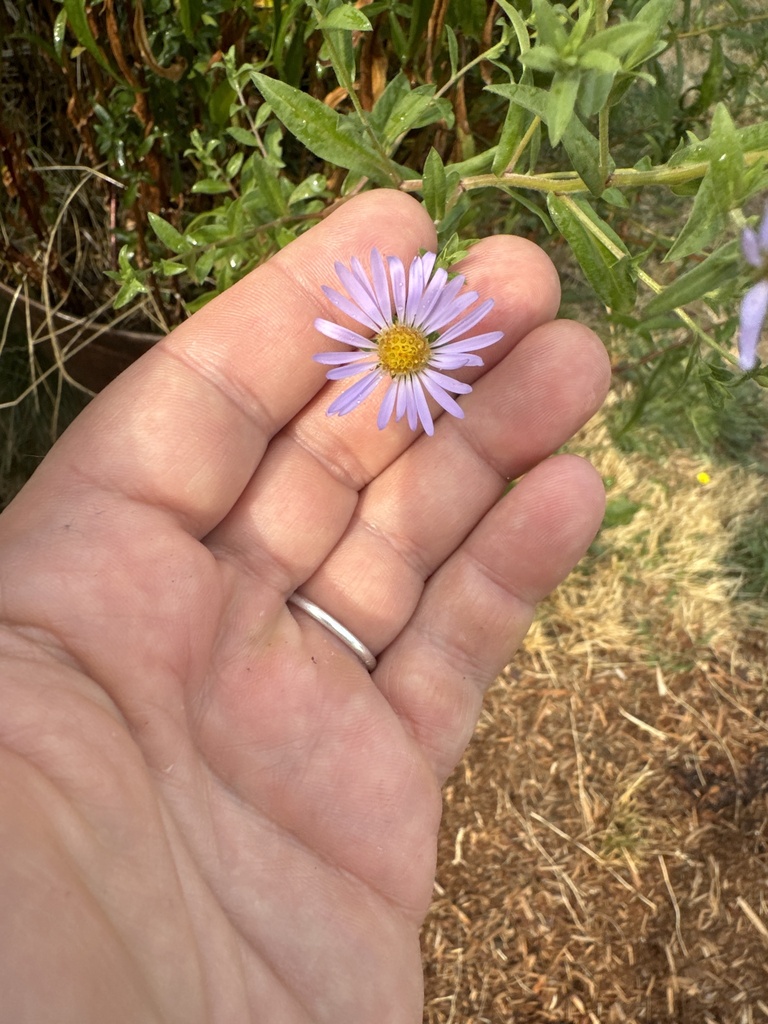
{"points": [[402, 350], [413, 328]]}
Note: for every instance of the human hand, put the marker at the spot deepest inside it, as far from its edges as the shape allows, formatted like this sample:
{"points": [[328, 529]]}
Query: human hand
{"points": [[210, 811]]}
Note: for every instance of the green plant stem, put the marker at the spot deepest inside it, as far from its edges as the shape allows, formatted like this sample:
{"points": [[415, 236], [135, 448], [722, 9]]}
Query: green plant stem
{"points": [[570, 182], [489, 54], [523, 145], [720, 27], [604, 158], [646, 279]]}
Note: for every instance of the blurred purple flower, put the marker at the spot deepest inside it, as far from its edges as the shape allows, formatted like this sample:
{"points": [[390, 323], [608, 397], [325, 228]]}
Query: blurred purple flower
{"points": [[754, 305], [418, 332]]}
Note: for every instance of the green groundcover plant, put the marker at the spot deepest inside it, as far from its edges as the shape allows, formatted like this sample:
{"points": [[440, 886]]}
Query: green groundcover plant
{"points": [[216, 132]]}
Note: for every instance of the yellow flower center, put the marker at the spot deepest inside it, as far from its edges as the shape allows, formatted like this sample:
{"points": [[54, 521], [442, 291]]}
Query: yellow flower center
{"points": [[402, 350]]}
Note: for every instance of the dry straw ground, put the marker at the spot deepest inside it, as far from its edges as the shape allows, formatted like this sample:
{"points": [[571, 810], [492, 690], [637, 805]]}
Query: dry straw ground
{"points": [[604, 851]]}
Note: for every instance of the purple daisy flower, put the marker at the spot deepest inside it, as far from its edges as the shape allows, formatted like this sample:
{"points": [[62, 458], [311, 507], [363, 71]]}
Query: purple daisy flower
{"points": [[754, 305], [418, 332]]}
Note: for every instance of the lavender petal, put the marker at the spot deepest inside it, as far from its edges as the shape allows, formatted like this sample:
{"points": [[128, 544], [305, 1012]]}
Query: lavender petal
{"points": [[416, 285], [354, 395], [445, 382], [361, 294], [387, 406], [428, 261], [754, 307], [422, 408], [762, 232], [470, 344], [397, 277], [453, 360], [380, 285], [343, 334], [450, 306], [431, 296], [467, 322], [411, 411], [401, 398], [334, 358], [350, 308], [750, 246], [351, 370], [443, 398]]}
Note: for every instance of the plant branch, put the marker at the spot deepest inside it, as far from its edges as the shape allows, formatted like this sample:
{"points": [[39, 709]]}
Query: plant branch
{"points": [[646, 279], [570, 183]]}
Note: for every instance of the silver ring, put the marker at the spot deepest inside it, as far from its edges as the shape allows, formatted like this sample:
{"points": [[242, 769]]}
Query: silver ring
{"points": [[335, 627]]}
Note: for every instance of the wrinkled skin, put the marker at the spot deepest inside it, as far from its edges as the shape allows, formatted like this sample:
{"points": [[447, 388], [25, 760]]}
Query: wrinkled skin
{"points": [[209, 810]]}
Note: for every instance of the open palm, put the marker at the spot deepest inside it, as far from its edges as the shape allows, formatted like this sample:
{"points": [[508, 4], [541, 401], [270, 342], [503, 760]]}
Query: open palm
{"points": [[210, 810]]}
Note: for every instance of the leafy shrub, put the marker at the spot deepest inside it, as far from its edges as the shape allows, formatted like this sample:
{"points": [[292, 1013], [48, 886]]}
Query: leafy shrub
{"points": [[206, 136]]}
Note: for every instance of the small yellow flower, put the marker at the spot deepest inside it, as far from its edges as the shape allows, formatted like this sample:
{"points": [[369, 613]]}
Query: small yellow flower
{"points": [[703, 478]]}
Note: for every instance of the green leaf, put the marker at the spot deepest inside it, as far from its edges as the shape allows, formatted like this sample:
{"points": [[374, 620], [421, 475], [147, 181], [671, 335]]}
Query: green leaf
{"points": [[325, 133], [612, 279], [654, 16], [170, 268], [59, 31], [434, 186], [267, 183], [531, 206], [549, 28], [210, 187], [705, 222], [518, 25], [169, 235], [455, 249], [243, 136], [584, 153], [400, 109], [399, 42], [234, 164], [78, 22], [420, 12], [128, 293], [453, 49], [219, 103], [712, 273], [594, 89], [339, 49], [542, 58], [600, 60], [617, 40], [752, 138], [560, 103], [511, 134], [726, 160], [312, 187], [189, 15], [348, 18]]}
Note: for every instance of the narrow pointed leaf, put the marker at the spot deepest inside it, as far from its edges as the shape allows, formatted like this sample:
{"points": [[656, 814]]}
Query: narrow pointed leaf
{"points": [[78, 22], [610, 277], [434, 186], [712, 273], [325, 133]]}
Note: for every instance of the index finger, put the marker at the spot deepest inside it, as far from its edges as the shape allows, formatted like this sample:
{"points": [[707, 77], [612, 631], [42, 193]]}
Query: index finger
{"points": [[185, 427]]}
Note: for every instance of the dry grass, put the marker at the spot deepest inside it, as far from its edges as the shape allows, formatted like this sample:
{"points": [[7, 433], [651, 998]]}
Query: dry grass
{"points": [[604, 852]]}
